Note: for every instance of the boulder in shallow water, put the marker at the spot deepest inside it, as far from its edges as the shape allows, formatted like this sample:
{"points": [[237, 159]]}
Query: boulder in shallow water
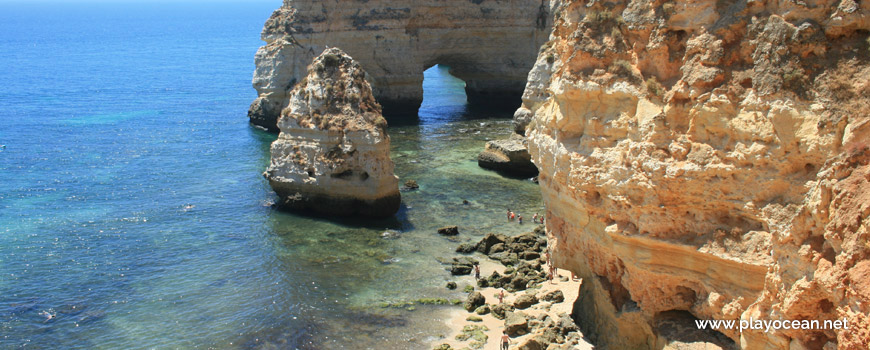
{"points": [[466, 248], [462, 266], [449, 231], [488, 241], [510, 156], [410, 185], [333, 153]]}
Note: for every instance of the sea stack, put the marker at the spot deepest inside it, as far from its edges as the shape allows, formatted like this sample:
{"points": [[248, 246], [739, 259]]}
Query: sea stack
{"points": [[333, 153]]}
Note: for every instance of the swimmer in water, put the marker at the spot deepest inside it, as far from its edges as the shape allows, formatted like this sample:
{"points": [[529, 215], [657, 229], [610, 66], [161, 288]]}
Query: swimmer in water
{"points": [[48, 315]]}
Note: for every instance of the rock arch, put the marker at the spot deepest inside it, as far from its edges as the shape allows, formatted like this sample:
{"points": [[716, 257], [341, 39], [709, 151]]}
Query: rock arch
{"points": [[490, 44]]}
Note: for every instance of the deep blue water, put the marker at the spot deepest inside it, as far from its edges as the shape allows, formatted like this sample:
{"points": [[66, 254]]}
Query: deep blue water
{"points": [[132, 210]]}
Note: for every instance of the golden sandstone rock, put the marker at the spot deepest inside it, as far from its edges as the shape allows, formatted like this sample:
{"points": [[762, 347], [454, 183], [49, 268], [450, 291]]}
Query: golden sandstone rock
{"points": [[708, 160], [490, 44], [333, 152]]}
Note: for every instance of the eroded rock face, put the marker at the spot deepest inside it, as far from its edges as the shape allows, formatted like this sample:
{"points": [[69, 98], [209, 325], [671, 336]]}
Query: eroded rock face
{"points": [[489, 44], [333, 152], [711, 158]]}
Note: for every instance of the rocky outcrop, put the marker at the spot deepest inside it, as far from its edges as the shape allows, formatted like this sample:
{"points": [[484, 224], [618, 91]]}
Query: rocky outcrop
{"points": [[490, 44], [474, 301], [333, 152], [709, 160], [510, 156]]}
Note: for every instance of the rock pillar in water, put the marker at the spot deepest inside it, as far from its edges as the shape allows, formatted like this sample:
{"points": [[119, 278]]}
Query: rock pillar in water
{"points": [[333, 153]]}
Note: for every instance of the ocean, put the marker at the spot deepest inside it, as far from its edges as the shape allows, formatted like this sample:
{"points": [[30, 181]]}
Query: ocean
{"points": [[133, 212]]}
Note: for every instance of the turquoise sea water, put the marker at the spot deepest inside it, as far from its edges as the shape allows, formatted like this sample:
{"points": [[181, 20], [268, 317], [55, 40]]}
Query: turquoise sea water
{"points": [[133, 214]]}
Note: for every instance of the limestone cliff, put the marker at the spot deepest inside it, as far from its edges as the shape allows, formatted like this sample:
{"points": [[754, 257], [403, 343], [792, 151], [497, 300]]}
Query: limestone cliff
{"points": [[333, 152], [708, 159], [490, 44]]}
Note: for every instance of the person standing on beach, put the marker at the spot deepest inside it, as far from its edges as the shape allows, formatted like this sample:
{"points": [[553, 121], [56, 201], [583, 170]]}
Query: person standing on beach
{"points": [[552, 272], [476, 271], [501, 296], [505, 341]]}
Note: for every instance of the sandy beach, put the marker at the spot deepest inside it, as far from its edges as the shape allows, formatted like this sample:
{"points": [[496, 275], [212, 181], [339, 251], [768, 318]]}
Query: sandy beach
{"points": [[460, 318]]}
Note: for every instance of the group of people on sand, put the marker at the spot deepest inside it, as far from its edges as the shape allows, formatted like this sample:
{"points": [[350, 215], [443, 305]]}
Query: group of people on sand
{"points": [[511, 216], [505, 338], [538, 219]]}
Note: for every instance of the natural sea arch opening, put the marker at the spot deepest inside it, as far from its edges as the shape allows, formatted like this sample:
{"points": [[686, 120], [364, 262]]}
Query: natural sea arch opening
{"points": [[446, 99]]}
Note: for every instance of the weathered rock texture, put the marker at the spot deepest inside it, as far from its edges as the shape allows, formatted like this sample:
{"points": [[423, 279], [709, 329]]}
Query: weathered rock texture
{"points": [[490, 44], [708, 159], [333, 152], [510, 155]]}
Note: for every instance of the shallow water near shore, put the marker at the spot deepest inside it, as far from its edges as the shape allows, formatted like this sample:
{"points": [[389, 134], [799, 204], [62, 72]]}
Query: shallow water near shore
{"points": [[133, 214]]}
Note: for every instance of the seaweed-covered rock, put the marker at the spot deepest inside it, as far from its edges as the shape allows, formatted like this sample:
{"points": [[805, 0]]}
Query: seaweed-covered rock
{"points": [[496, 248], [466, 248], [525, 301], [516, 323], [462, 266], [474, 300], [488, 241], [460, 270], [505, 258], [482, 310], [499, 311], [529, 255], [555, 296]]}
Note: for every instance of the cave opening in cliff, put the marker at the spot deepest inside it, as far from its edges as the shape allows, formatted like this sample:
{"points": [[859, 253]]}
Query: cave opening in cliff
{"points": [[679, 327]]}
